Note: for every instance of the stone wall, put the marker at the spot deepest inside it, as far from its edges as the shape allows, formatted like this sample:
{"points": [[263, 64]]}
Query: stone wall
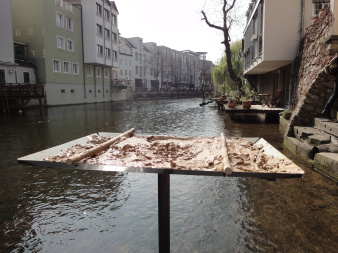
{"points": [[313, 86]]}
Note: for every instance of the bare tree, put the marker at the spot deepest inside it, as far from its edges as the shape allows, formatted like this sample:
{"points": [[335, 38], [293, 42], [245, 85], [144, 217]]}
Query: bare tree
{"points": [[228, 21]]}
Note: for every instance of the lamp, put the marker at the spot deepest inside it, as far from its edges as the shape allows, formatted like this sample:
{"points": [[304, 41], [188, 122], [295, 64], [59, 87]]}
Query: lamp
{"points": [[10, 71]]}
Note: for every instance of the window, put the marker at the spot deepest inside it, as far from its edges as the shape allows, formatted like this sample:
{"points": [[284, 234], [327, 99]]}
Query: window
{"points": [[100, 50], [107, 34], [121, 72], [106, 14], [106, 73], [66, 67], [113, 19], [114, 37], [69, 24], [125, 72], [70, 45], [136, 70], [59, 20], [317, 5], [60, 42], [89, 71], [115, 56], [99, 30], [75, 68], [98, 72], [136, 56], [59, 3], [107, 53], [140, 71], [98, 10], [57, 66]]}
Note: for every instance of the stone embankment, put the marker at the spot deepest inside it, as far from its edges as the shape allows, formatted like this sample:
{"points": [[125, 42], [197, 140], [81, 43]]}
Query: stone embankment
{"points": [[316, 145]]}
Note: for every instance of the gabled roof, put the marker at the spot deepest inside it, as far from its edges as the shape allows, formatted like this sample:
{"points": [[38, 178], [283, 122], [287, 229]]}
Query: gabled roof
{"points": [[113, 5], [146, 49], [125, 42]]}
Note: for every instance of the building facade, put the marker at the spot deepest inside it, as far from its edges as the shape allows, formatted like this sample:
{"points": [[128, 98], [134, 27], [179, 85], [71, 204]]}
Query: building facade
{"points": [[80, 57], [148, 67], [15, 66], [271, 39], [74, 45]]}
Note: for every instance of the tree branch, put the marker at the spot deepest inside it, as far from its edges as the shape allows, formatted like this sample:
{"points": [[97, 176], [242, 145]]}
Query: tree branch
{"points": [[209, 24]]}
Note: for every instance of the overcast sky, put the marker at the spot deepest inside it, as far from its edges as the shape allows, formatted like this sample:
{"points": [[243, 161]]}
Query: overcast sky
{"points": [[176, 24]]}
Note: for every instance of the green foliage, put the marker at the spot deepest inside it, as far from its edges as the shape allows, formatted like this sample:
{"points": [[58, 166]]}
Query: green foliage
{"points": [[220, 76], [248, 94]]}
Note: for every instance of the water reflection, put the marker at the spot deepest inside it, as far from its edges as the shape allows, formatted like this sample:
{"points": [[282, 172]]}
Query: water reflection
{"points": [[51, 210]]}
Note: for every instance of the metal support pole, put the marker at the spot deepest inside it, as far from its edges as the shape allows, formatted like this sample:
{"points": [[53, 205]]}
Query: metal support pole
{"points": [[164, 213]]}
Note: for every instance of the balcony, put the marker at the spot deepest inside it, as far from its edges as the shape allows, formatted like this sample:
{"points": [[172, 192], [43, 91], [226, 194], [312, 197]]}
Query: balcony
{"points": [[120, 83], [9, 91], [254, 51]]}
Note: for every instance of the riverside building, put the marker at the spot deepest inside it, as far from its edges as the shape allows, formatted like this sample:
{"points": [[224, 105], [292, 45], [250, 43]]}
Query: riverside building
{"points": [[77, 53]]}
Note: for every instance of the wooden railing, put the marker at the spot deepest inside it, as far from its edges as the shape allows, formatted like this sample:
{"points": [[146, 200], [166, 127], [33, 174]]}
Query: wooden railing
{"points": [[8, 90]]}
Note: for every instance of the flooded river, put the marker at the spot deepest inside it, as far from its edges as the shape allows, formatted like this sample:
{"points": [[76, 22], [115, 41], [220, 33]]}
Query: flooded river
{"points": [[60, 210]]}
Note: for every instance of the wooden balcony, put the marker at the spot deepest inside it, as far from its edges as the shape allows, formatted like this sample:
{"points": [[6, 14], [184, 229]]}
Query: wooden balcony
{"points": [[20, 94]]}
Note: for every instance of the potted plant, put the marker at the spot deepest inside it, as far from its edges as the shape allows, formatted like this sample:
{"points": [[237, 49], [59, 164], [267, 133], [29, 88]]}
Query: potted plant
{"points": [[248, 95], [233, 98]]}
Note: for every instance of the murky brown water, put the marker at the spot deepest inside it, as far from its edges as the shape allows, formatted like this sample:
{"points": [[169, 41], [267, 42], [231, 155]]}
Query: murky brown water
{"points": [[50, 210]]}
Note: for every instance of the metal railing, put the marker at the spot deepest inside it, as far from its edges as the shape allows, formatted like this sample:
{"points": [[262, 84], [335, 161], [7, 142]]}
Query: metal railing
{"points": [[253, 52]]}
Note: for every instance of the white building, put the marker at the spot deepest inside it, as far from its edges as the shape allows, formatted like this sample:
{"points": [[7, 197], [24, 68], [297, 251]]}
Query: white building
{"points": [[271, 38]]}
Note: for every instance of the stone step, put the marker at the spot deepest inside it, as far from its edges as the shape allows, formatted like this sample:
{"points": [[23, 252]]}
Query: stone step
{"points": [[327, 162], [311, 135], [301, 150], [327, 125]]}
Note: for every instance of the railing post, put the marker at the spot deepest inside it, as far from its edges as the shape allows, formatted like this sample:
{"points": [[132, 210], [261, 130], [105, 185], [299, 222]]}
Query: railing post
{"points": [[164, 213]]}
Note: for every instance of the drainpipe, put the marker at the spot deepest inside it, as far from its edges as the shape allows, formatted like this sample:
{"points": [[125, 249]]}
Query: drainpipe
{"points": [[301, 29], [104, 47], [83, 61], [301, 20]]}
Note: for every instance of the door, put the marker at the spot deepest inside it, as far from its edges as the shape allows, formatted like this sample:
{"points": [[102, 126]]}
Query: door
{"points": [[2, 76], [26, 78]]}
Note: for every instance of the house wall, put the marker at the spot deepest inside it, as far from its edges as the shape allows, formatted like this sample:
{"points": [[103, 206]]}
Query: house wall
{"points": [[281, 34], [6, 38], [334, 9], [28, 27]]}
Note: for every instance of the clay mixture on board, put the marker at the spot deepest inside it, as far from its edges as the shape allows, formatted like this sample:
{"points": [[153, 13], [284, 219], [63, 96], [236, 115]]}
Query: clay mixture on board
{"points": [[189, 153]]}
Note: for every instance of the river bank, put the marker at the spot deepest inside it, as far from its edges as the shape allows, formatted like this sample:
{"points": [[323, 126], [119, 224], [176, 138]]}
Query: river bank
{"points": [[58, 210]]}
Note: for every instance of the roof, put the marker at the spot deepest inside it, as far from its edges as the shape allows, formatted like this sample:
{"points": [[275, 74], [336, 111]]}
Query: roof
{"points": [[113, 5]]}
